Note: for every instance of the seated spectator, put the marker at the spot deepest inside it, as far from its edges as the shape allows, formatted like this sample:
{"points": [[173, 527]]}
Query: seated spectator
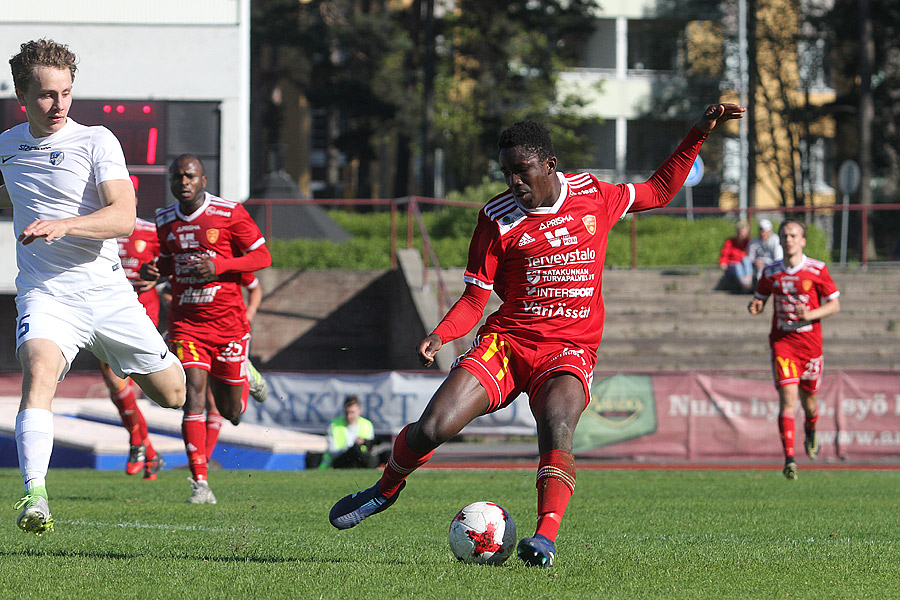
{"points": [[733, 259], [350, 439], [764, 249]]}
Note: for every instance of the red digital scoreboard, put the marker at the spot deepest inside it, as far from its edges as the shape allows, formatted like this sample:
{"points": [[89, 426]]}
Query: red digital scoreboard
{"points": [[140, 127]]}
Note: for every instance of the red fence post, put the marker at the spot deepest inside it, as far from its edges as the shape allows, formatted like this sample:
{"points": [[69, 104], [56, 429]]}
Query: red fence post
{"points": [[634, 218], [393, 235]]}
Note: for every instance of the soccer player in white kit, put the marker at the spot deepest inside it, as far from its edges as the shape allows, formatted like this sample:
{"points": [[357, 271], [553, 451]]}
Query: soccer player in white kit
{"points": [[71, 197]]}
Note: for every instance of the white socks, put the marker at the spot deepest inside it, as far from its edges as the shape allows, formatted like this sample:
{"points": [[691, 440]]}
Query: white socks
{"points": [[34, 441]]}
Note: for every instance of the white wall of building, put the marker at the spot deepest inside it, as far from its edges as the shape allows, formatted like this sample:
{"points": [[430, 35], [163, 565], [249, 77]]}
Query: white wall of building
{"points": [[184, 50]]}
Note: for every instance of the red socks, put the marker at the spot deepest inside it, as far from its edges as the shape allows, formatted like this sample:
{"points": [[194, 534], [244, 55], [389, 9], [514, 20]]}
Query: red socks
{"points": [[786, 429], [214, 423], [402, 462], [193, 430], [810, 424], [131, 415], [555, 485]]}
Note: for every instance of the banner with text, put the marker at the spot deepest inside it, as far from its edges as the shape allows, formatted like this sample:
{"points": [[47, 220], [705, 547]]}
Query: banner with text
{"points": [[689, 416]]}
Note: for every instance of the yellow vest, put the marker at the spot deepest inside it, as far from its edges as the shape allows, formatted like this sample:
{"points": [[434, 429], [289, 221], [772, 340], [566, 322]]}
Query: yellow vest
{"points": [[338, 429]]}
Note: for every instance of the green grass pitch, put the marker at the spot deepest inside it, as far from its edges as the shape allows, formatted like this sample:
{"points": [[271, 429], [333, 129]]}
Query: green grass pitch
{"points": [[626, 534]]}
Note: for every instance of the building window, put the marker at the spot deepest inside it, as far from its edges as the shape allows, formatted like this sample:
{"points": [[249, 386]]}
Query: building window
{"points": [[653, 45], [600, 50]]}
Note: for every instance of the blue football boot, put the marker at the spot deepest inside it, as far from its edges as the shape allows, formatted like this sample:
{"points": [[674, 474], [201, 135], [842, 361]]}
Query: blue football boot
{"points": [[350, 510], [537, 551]]}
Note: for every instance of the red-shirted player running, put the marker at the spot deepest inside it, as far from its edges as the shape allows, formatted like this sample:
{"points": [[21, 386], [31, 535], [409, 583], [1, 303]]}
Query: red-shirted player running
{"points": [[540, 246], [205, 245], [140, 247], [804, 293]]}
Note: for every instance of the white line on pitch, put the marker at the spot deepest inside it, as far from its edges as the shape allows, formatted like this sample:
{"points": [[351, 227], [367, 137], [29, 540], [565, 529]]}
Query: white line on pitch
{"points": [[164, 527]]}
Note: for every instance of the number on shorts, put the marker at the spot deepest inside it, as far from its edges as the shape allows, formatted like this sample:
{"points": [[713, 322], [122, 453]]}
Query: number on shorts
{"points": [[494, 348], [22, 326]]}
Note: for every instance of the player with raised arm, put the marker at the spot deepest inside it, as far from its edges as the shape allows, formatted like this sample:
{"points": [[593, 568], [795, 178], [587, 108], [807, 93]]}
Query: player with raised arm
{"points": [[540, 246], [206, 243], [71, 196], [804, 294]]}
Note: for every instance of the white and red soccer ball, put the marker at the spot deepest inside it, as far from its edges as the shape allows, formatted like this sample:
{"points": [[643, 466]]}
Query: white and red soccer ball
{"points": [[482, 533]]}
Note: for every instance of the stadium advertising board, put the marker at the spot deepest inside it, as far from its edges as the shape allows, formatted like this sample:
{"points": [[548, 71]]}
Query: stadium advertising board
{"points": [[678, 416]]}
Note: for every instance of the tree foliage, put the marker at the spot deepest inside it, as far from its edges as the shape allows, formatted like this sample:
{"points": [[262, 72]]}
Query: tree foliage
{"points": [[845, 28], [365, 62]]}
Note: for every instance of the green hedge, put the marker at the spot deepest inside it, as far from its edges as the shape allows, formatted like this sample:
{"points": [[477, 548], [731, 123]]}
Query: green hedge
{"points": [[661, 241]]}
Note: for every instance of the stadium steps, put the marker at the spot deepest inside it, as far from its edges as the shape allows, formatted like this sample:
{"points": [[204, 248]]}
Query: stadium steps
{"points": [[88, 433], [673, 319], [664, 319], [78, 443]]}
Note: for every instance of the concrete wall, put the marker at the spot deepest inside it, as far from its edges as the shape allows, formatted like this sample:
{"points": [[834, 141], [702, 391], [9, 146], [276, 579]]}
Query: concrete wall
{"points": [[160, 50]]}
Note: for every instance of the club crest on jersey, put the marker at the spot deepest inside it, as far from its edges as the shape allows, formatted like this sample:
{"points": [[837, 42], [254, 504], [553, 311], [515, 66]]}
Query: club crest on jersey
{"points": [[139, 245], [212, 235], [806, 285], [56, 157], [590, 223]]}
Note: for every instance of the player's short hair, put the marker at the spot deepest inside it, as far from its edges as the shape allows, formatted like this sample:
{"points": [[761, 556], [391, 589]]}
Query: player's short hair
{"points": [[800, 224], [351, 401], [529, 135], [40, 53], [186, 157]]}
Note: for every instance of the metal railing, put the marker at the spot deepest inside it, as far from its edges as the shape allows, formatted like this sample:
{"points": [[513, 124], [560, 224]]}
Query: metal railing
{"points": [[412, 204]]}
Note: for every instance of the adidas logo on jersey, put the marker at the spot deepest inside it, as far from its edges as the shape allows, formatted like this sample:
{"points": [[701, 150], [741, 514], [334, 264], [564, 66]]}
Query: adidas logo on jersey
{"points": [[525, 239], [560, 236]]}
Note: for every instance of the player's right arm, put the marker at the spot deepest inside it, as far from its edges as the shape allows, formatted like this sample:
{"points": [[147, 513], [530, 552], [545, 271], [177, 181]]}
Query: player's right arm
{"points": [[115, 219]]}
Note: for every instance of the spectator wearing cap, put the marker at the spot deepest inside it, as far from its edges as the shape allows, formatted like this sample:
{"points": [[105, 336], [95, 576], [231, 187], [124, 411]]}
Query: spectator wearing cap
{"points": [[764, 248]]}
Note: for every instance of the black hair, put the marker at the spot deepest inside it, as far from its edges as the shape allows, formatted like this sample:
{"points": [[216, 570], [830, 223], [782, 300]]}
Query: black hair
{"points": [[529, 135]]}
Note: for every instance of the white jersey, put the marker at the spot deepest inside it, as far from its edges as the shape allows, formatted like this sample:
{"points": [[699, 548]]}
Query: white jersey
{"points": [[56, 177]]}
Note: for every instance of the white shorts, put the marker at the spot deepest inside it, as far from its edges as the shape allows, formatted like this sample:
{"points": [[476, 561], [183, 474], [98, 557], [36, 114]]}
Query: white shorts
{"points": [[108, 321]]}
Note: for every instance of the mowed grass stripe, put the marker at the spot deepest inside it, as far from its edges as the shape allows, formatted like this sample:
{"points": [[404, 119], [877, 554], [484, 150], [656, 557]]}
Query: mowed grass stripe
{"points": [[627, 534]]}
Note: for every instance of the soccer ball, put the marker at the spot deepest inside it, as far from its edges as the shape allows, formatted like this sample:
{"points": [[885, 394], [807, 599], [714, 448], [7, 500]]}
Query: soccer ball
{"points": [[482, 533]]}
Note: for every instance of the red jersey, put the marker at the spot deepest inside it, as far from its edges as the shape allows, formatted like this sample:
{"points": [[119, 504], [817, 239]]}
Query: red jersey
{"points": [[212, 311], [733, 251], [140, 247], [809, 283], [546, 264]]}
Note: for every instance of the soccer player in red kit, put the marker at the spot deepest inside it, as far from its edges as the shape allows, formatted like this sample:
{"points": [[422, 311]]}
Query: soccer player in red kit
{"points": [[258, 388], [540, 246], [206, 243], [804, 294], [140, 247]]}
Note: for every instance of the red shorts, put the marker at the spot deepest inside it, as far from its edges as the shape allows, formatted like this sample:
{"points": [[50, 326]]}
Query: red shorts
{"points": [[506, 366], [150, 301], [790, 366], [226, 362]]}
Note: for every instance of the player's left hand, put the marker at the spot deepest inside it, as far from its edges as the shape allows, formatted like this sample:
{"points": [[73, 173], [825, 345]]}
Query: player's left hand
{"points": [[142, 285], [801, 311], [716, 114], [205, 268], [49, 230]]}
